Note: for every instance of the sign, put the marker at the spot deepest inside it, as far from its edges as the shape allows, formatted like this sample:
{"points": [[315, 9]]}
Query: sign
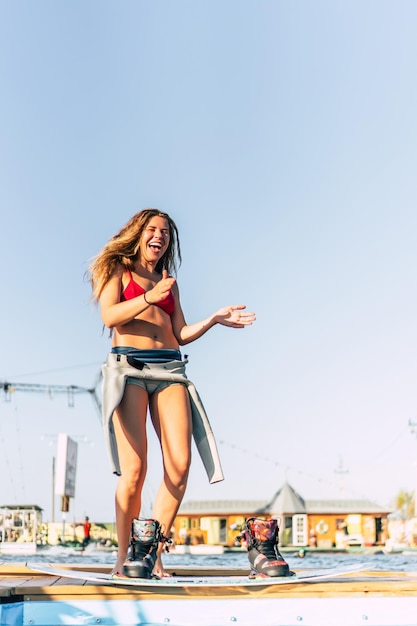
{"points": [[66, 466]]}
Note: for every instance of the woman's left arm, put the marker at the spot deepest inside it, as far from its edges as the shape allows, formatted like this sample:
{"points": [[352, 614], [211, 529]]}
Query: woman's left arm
{"points": [[234, 316]]}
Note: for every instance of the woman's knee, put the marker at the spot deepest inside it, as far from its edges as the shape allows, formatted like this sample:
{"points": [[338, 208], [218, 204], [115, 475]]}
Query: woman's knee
{"points": [[133, 478], [178, 473]]}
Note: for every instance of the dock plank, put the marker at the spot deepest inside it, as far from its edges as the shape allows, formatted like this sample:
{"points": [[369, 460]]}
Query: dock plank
{"points": [[18, 580], [362, 587], [30, 597]]}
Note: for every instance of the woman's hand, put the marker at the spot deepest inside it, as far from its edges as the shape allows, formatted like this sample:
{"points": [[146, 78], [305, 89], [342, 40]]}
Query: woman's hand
{"points": [[234, 316], [161, 289]]}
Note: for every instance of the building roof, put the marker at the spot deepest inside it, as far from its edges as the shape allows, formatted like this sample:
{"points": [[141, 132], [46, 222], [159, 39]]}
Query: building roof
{"points": [[343, 506], [20, 507], [286, 501], [221, 507]]}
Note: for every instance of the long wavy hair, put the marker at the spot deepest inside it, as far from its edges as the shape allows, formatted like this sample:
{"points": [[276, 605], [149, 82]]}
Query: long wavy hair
{"points": [[124, 250]]}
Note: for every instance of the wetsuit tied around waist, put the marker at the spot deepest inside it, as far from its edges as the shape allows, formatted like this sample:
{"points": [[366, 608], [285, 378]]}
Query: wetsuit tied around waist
{"points": [[115, 372]]}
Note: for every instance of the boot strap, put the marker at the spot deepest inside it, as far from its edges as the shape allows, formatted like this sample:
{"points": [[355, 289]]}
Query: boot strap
{"points": [[166, 540]]}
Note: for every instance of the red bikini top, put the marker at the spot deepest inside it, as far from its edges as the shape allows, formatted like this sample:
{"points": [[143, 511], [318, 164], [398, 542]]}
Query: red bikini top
{"points": [[133, 289]]}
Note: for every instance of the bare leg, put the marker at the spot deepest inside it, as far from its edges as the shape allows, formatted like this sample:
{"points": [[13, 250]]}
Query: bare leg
{"points": [[171, 417], [130, 430]]}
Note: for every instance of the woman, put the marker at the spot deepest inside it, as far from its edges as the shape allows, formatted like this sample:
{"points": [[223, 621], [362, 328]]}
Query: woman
{"points": [[139, 301]]}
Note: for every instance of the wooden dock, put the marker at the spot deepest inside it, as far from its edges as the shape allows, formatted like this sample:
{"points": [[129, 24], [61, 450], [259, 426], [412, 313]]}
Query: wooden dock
{"points": [[367, 599]]}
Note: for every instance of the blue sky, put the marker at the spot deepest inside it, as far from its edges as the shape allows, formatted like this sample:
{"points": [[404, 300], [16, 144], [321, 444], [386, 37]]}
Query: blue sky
{"points": [[281, 137]]}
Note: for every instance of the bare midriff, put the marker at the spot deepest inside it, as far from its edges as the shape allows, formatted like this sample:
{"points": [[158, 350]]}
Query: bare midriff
{"points": [[151, 331]]}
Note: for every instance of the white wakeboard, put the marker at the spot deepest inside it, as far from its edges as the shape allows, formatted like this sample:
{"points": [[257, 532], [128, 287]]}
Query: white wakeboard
{"points": [[202, 580]]}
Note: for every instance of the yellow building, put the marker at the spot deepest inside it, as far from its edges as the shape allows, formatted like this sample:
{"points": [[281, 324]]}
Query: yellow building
{"points": [[315, 523]]}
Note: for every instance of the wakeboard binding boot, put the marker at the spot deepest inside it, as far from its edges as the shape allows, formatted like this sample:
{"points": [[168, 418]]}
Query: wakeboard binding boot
{"points": [[146, 534], [265, 559]]}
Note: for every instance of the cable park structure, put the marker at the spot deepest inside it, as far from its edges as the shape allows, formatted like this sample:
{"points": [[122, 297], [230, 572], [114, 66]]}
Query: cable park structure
{"points": [[8, 388]]}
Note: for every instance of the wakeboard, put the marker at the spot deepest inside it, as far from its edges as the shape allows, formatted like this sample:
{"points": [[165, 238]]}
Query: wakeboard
{"points": [[312, 575]]}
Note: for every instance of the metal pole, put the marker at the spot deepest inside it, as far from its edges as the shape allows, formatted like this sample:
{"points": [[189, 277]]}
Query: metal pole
{"points": [[413, 426], [341, 471], [53, 489]]}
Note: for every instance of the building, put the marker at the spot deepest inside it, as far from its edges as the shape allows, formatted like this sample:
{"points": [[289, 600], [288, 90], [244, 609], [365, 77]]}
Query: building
{"points": [[20, 527], [314, 523]]}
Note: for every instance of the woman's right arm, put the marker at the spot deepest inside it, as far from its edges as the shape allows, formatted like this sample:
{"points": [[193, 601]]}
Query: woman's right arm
{"points": [[116, 313]]}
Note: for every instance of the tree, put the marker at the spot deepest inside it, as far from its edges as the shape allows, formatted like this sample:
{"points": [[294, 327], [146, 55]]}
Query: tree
{"points": [[404, 504]]}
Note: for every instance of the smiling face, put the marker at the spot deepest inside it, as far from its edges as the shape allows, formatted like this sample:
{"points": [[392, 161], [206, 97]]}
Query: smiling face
{"points": [[154, 240]]}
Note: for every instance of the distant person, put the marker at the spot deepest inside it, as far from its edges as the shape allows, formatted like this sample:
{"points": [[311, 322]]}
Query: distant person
{"points": [[132, 279], [87, 531]]}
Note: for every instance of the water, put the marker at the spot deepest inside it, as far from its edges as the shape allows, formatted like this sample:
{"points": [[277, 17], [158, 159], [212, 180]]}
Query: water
{"points": [[397, 562]]}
